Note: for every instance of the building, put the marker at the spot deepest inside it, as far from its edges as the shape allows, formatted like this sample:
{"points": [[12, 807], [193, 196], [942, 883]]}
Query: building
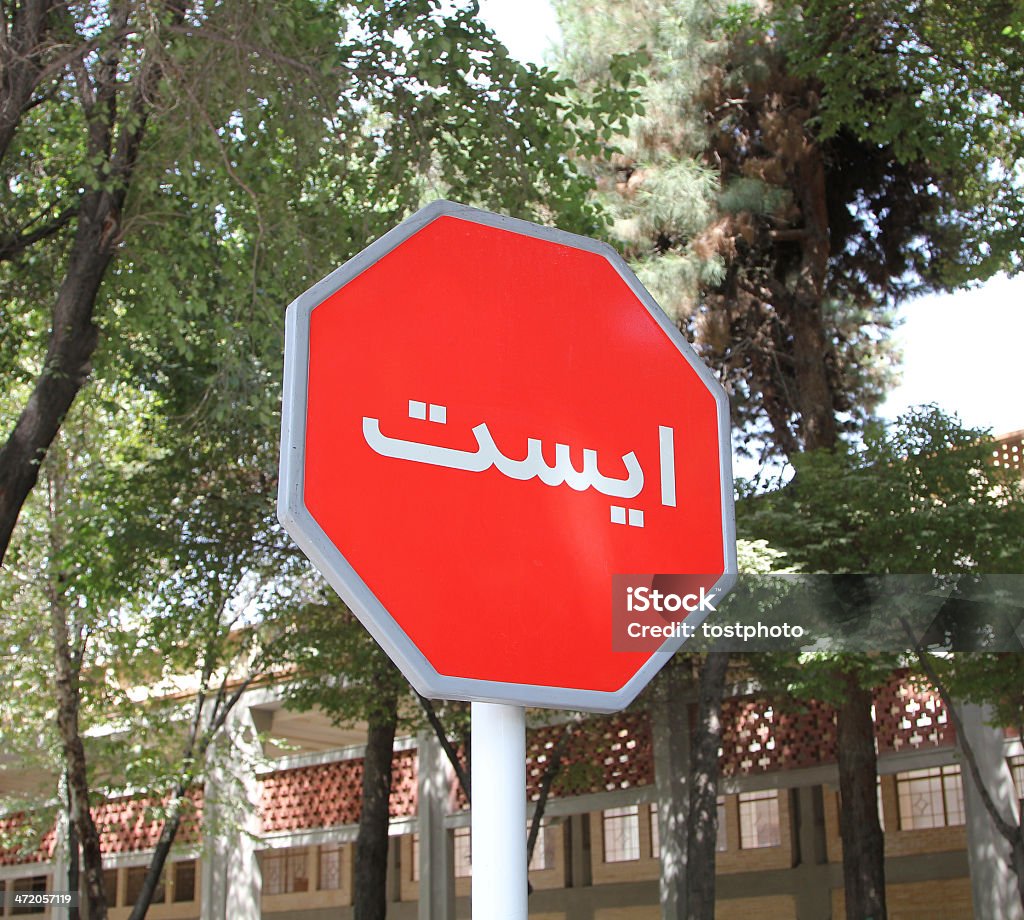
{"points": [[293, 788]]}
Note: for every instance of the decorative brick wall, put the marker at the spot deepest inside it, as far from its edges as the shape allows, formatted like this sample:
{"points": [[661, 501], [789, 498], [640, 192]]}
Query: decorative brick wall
{"points": [[131, 824], [910, 716], [328, 795], [125, 825], [603, 754], [758, 738], [1008, 452], [11, 824]]}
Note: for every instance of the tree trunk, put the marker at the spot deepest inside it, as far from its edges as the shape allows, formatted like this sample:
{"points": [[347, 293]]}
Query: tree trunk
{"points": [[814, 396], [21, 64], [159, 858], [860, 830], [461, 770], [68, 361], [369, 900], [702, 832], [74, 859], [670, 728], [1017, 860], [74, 336], [195, 751], [551, 770], [67, 692]]}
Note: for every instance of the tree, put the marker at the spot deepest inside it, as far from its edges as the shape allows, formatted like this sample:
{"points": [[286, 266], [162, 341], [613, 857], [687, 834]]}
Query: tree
{"points": [[922, 498], [173, 168], [143, 559], [976, 677], [782, 195], [688, 822], [231, 134], [782, 209], [339, 669]]}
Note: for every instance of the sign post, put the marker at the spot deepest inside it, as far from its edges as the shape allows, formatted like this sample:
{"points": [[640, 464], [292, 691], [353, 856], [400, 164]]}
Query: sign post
{"points": [[499, 811], [485, 420]]}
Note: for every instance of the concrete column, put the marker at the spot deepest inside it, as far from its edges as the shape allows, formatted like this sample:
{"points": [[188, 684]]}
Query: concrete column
{"points": [[393, 882], [811, 874], [993, 883], [670, 729], [578, 855], [437, 879], [230, 882]]}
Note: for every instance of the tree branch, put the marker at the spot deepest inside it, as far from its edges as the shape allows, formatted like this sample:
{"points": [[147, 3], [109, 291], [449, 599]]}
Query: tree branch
{"points": [[13, 244], [442, 736], [1004, 827]]}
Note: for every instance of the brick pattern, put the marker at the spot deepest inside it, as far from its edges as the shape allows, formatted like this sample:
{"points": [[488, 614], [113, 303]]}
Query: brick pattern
{"points": [[910, 716], [1008, 452], [328, 795], [131, 824], [603, 754], [758, 738], [125, 825], [403, 784], [14, 856]]}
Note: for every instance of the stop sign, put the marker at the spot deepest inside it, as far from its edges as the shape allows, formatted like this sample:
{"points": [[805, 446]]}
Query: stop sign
{"points": [[485, 420]]}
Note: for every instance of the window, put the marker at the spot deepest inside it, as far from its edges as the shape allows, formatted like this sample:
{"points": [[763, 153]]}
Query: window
{"points": [[543, 849], [1016, 765], [930, 798], [463, 853], [136, 877], [759, 819], [185, 881], [414, 858], [330, 867], [34, 885], [110, 886], [284, 871], [621, 832], [721, 840]]}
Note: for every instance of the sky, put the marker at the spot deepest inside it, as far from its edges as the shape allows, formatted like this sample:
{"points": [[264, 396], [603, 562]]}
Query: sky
{"points": [[960, 351]]}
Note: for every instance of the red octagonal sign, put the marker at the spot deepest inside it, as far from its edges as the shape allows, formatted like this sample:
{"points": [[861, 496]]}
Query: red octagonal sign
{"points": [[484, 421]]}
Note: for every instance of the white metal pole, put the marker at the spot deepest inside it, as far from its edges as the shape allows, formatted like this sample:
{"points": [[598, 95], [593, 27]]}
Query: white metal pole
{"points": [[499, 811]]}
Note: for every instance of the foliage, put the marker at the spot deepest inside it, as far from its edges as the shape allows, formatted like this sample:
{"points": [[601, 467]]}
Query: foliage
{"points": [[935, 83], [172, 177], [989, 679], [923, 497], [247, 149], [660, 194], [333, 664], [153, 554], [800, 169]]}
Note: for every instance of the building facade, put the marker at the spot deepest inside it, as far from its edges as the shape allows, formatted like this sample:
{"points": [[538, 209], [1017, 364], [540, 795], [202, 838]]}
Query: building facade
{"points": [[271, 833], [280, 843]]}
